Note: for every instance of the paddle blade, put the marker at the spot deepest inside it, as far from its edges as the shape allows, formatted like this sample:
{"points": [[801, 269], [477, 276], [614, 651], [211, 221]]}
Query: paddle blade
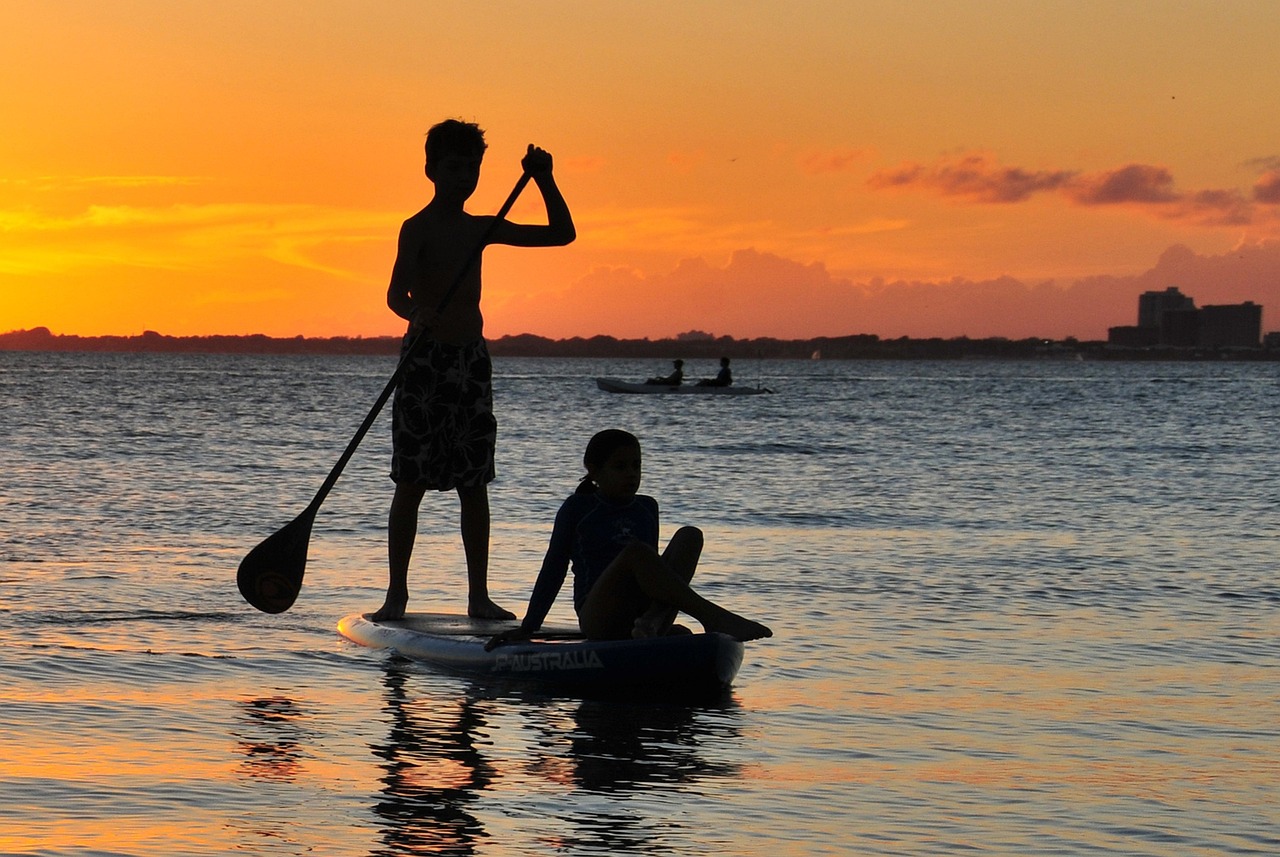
{"points": [[270, 576]]}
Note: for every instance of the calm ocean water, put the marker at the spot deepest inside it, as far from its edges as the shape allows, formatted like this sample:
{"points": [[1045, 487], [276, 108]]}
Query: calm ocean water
{"points": [[1020, 609]]}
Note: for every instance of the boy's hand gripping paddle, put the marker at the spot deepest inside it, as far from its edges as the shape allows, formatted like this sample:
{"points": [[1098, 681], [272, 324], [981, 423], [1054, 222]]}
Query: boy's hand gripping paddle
{"points": [[270, 575]]}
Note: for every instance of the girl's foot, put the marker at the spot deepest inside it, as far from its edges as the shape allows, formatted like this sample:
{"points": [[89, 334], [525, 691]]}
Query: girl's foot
{"points": [[740, 628]]}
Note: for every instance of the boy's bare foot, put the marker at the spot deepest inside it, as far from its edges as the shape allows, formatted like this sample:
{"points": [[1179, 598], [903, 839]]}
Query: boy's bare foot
{"points": [[392, 608], [486, 609]]}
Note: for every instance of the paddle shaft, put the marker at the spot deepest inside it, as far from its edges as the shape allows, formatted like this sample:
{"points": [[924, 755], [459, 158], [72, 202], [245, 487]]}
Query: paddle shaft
{"points": [[414, 347]]}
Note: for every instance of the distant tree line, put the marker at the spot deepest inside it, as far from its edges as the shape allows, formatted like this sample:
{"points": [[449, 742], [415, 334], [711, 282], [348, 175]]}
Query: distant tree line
{"points": [[692, 345], [41, 339]]}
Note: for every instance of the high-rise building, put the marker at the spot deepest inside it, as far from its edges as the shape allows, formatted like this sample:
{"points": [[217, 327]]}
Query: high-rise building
{"points": [[1230, 326], [1153, 305], [1171, 318]]}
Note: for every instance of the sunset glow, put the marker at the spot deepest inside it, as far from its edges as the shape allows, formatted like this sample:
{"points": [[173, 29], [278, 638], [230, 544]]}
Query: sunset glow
{"points": [[1006, 168]]}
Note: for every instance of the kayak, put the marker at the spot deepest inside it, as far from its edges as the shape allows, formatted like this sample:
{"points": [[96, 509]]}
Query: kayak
{"points": [[615, 385], [558, 659]]}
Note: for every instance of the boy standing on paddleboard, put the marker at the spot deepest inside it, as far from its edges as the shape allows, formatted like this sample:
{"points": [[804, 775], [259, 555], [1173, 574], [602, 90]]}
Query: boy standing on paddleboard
{"points": [[443, 427]]}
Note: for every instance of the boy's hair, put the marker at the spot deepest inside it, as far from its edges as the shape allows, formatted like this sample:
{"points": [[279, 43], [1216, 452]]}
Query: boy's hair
{"points": [[599, 448], [453, 137]]}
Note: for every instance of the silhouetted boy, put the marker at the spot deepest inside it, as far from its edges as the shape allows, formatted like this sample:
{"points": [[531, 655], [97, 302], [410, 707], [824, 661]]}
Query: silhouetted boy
{"points": [[443, 428]]}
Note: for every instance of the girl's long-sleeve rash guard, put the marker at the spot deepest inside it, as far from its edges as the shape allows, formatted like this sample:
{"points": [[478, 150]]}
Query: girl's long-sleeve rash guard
{"points": [[589, 532]]}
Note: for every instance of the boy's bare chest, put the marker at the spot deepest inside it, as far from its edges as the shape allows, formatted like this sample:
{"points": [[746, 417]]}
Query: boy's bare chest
{"points": [[442, 249]]}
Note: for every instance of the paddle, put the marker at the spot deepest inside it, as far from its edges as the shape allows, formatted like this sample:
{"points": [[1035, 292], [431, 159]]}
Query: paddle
{"points": [[270, 575]]}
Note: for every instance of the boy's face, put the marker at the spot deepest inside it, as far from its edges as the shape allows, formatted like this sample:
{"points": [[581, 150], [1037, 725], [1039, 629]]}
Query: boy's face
{"points": [[456, 175]]}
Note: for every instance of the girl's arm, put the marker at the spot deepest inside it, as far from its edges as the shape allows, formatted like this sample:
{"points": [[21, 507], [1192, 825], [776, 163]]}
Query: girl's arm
{"points": [[555, 566], [652, 505]]}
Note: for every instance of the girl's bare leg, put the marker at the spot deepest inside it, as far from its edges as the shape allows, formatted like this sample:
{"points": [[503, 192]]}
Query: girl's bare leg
{"points": [[610, 609], [681, 556]]}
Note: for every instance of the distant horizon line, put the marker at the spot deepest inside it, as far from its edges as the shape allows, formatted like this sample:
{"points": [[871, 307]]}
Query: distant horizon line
{"points": [[689, 337], [694, 339], [692, 345]]}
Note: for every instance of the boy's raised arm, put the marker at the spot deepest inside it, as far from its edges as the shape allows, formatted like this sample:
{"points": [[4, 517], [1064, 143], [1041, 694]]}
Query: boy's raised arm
{"points": [[559, 229]]}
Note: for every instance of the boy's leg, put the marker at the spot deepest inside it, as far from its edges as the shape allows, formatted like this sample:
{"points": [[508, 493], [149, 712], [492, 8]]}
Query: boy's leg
{"points": [[402, 530], [474, 520]]}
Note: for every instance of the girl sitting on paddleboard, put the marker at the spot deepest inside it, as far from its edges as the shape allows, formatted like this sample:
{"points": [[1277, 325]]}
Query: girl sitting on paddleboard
{"points": [[622, 586]]}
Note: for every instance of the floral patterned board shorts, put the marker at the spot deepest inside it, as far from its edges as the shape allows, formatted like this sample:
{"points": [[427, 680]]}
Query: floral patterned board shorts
{"points": [[443, 431]]}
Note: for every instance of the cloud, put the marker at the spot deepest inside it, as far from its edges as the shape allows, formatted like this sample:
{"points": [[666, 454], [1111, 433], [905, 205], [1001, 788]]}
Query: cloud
{"points": [[62, 232], [866, 227], [973, 176], [47, 184], [1154, 189], [1267, 188], [1218, 208], [1267, 163], [182, 237], [1135, 183], [760, 294], [1147, 188]]}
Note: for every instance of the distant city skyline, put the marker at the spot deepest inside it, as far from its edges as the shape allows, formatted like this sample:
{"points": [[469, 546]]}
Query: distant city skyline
{"points": [[792, 170], [1172, 318]]}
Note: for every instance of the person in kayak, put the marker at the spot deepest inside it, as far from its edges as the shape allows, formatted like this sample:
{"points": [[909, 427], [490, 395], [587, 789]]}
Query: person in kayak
{"points": [[623, 587], [674, 379], [723, 378]]}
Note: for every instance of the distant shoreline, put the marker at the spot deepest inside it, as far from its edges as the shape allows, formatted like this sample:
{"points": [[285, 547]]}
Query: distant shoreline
{"points": [[686, 346]]}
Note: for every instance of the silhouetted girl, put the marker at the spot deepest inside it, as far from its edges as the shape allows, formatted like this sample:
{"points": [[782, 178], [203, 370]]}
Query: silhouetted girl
{"points": [[622, 586]]}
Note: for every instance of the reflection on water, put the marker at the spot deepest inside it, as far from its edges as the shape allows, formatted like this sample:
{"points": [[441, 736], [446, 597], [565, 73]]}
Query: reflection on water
{"points": [[618, 748], [433, 770], [272, 738], [621, 751], [450, 754]]}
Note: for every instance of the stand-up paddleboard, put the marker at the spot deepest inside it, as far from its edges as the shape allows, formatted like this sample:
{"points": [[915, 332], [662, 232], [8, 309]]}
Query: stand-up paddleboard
{"points": [[615, 385], [559, 659]]}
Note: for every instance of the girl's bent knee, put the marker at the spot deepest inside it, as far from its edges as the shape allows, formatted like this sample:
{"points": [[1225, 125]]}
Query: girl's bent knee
{"points": [[689, 535], [635, 550]]}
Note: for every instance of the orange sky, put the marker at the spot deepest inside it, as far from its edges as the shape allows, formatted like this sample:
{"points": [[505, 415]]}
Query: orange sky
{"points": [[791, 169]]}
